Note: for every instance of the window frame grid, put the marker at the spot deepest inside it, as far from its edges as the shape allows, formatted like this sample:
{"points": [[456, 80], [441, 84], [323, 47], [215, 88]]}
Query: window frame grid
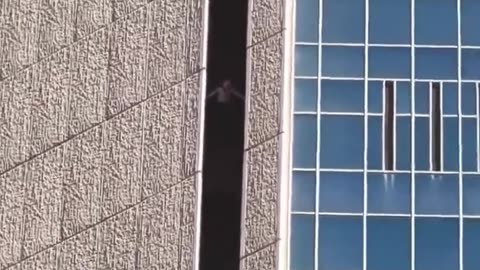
{"points": [[383, 171], [373, 79], [349, 214], [387, 45], [412, 80]]}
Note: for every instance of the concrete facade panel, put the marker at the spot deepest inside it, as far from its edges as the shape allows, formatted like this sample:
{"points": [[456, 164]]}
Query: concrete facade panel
{"points": [[122, 8], [265, 88], [167, 46], [79, 252], [18, 40], [121, 162], [45, 260], [117, 241], [265, 19], [14, 122], [261, 221], [91, 16], [12, 192], [82, 185], [194, 28], [264, 199], [264, 259], [55, 26], [48, 103], [165, 242], [127, 61], [163, 141], [43, 209], [88, 82], [95, 173]]}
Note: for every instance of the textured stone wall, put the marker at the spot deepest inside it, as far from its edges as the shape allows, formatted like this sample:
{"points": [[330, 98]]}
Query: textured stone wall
{"points": [[264, 160], [100, 130]]}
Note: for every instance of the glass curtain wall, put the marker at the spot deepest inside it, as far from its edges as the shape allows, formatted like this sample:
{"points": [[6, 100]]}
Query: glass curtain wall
{"points": [[386, 137]]}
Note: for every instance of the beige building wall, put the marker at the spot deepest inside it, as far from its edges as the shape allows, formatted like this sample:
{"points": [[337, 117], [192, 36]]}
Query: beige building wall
{"points": [[267, 143], [101, 124], [100, 133]]}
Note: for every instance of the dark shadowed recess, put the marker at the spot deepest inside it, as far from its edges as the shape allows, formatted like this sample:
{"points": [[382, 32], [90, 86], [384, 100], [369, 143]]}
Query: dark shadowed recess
{"points": [[224, 135]]}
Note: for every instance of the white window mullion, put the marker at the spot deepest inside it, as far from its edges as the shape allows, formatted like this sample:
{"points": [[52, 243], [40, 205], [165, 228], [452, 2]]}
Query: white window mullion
{"points": [[441, 128], [430, 128], [477, 102], [365, 138], [394, 126], [460, 177], [412, 135], [384, 122], [317, 162]]}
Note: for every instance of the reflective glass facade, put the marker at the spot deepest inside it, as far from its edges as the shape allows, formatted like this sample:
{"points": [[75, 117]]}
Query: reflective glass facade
{"points": [[386, 139]]}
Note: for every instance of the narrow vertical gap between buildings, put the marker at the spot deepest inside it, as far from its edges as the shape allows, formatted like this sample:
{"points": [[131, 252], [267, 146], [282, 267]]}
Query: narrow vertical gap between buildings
{"points": [[436, 127], [224, 135], [389, 126]]}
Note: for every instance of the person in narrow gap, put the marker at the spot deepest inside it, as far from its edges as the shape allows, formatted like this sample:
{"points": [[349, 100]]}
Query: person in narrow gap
{"points": [[227, 110], [225, 92]]}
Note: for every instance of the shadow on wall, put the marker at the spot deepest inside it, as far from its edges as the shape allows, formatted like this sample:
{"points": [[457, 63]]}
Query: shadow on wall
{"points": [[224, 135]]}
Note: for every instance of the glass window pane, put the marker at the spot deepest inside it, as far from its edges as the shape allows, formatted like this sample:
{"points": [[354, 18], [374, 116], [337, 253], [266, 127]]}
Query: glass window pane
{"points": [[342, 142], [342, 96], [450, 98], [303, 189], [436, 194], [305, 95], [436, 243], [304, 141], [306, 60], [436, 22], [389, 62], [469, 144], [343, 61], [341, 192], [469, 103], [375, 97], [471, 64], [389, 193], [389, 22], [388, 243], [343, 21], [450, 144], [374, 151], [340, 243], [403, 97], [302, 242], [471, 194], [422, 147], [435, 63], [470, 22], [403, 143], [307, 21], [471, 244], [422, 98]]}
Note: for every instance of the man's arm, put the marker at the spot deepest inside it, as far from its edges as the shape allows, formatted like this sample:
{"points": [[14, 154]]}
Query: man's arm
{"points": [[237, 94], [213, 93]]}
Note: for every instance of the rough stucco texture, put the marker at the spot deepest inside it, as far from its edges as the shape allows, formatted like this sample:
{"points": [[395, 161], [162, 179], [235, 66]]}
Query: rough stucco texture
{"points": [[260, 233], [99, 133]]}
